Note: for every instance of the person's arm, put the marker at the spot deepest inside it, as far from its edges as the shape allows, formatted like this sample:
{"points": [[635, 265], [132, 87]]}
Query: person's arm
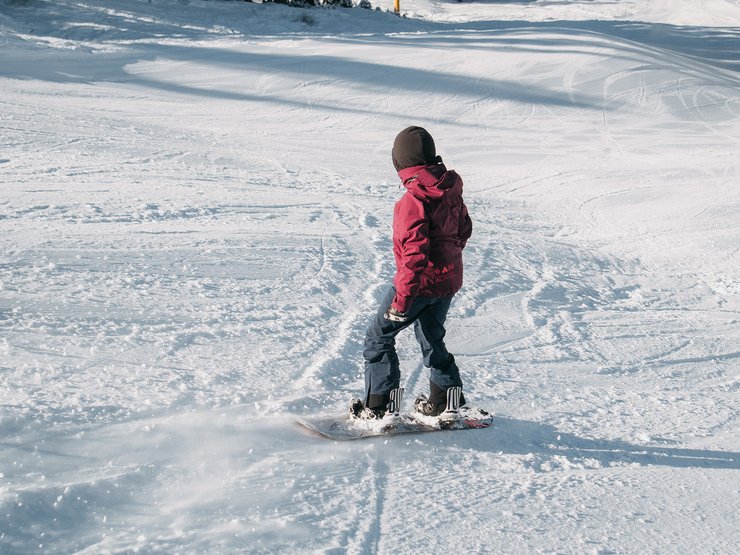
{"points": [[466, 226], [411, 238]]}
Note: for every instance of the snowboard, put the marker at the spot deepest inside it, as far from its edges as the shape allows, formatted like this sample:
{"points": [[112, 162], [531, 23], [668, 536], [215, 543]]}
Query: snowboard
{"points": [[342, 428]]}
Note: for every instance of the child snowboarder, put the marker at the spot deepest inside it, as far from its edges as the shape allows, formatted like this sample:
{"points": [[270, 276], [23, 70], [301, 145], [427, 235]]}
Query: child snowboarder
{"points": [[431, 226]]}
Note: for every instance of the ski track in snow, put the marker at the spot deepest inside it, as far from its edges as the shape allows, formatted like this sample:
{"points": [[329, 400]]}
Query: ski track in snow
{"points": [[195, 232]]}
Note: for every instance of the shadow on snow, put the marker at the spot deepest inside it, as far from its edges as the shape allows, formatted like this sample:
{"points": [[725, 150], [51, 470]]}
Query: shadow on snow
{"points": [[523, 437], [704, 50]]}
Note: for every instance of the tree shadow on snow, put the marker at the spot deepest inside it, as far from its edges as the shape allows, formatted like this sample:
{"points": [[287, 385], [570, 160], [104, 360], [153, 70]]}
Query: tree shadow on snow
{"points": [[701, 49], [75, 68], [697, 48], [523, 437]]}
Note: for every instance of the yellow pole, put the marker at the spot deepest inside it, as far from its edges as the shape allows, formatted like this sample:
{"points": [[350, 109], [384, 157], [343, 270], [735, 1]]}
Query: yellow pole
{"points": [[397, 6]]}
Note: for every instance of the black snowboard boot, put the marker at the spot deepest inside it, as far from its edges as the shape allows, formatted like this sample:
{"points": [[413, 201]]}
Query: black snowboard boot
{"points": [[440, 400], [357, 409]]}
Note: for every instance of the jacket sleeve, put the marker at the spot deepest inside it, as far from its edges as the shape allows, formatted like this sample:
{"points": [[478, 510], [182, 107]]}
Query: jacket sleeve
{"points": [[411, 246], [466, 226]]}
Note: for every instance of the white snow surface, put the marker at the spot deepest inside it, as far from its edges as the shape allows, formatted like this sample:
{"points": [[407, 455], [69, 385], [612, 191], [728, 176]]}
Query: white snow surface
{"points": [[195, 214]]}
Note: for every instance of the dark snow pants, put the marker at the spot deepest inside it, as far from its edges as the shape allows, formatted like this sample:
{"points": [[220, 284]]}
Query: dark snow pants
{"points": [[382, 370]]}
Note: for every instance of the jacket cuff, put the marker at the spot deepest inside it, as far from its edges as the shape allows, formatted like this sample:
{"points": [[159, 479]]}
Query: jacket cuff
{"points": [[402, 304]]}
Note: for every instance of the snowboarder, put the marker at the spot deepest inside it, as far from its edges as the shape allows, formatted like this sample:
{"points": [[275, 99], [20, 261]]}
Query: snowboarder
{"points": [[431, 226]]}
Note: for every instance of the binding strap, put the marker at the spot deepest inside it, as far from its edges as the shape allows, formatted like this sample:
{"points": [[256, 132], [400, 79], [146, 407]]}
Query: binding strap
{"points": [[453, 398], [394, 406]]}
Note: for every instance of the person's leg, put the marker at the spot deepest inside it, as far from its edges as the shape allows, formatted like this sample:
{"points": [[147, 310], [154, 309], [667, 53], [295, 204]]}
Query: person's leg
{"points": [[443, 371], [382, 369], [430, 333]]}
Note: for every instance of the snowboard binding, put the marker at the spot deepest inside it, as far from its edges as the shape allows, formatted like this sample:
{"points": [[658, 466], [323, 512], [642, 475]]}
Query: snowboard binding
{"points": [[426, 407], [357, 408]]}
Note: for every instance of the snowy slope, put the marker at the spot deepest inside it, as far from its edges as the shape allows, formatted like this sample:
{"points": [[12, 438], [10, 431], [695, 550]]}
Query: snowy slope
{"points": [[194, 231]]}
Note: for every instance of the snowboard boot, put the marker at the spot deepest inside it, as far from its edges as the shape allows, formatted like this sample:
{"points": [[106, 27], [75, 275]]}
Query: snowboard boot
{"points": [[357, 408], [440, 400]]}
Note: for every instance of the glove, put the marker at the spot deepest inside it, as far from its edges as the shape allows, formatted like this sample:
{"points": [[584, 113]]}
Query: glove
{"points": [[395, 315]]}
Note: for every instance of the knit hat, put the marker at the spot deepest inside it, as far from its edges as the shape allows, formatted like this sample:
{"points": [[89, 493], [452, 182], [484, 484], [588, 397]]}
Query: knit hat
{"points": [[414, 146]]}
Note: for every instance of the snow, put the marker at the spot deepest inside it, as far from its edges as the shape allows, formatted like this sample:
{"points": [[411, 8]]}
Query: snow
{"points": [[194, 231]]}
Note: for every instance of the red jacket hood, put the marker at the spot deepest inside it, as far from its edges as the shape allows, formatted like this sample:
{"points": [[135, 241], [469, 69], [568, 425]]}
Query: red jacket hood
{"points": [[430, 182]]}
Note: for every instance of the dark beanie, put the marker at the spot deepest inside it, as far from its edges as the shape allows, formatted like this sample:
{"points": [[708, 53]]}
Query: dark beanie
{"points": [[414, 146]]}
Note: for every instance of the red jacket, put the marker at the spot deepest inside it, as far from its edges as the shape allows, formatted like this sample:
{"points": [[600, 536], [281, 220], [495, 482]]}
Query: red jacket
{"points": [[431, 226]]}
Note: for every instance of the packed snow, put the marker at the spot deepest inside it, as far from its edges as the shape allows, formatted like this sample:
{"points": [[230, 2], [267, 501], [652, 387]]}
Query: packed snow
{"points": [[195, 212]]}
